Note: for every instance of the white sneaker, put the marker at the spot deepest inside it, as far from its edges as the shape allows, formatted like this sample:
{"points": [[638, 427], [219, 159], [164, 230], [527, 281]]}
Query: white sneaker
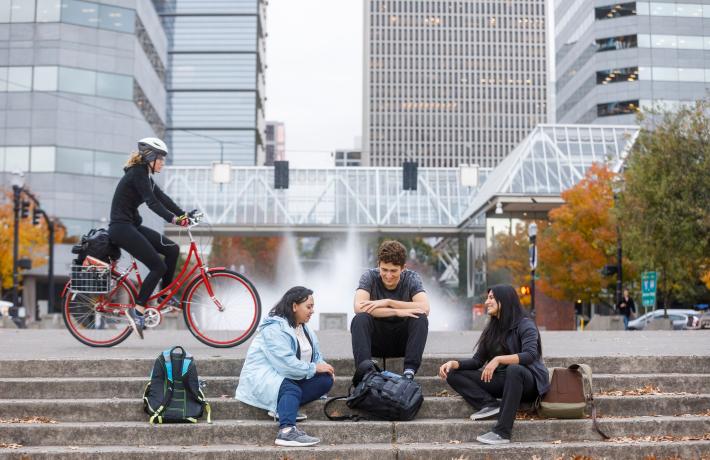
{"points": [[492, 438], [485, 413]]}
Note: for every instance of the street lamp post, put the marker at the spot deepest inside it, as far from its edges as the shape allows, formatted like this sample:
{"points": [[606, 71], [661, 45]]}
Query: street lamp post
{"points": [[17, 184], [532, 233], [617, 188]]}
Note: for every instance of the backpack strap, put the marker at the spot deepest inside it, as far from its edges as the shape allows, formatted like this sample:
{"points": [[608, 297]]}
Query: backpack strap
{"points": [[199, 395], [586, 372], [168, 396], [340, 418]]}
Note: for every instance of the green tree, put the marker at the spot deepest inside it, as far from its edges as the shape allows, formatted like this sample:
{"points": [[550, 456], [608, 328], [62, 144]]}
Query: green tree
{"points": [[665, 207]]}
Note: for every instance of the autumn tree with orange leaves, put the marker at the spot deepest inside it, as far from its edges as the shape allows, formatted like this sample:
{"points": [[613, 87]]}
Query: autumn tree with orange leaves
{"points": [[33, 242], [580, 240], [258, 255]]}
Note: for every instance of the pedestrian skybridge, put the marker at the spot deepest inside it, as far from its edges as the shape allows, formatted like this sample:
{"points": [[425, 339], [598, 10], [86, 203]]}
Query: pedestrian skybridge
{"points": [[321, 200]]}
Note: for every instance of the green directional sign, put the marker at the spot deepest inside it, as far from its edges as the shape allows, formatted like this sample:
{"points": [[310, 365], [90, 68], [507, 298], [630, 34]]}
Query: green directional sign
{"points": [[648, 288]]}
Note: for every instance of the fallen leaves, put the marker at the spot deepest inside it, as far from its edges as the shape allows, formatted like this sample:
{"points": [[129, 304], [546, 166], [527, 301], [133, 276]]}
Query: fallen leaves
{"points": [[526, 415], [28, 420], [658, 438], [454, 441], [559, 441], [5, 445], [645, 390], [444, 394]]}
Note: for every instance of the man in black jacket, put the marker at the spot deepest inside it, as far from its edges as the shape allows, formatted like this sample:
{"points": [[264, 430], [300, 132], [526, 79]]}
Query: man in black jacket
{"points": [[626, 307]]}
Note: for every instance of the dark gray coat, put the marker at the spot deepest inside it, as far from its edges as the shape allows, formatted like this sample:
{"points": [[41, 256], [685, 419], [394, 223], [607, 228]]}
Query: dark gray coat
{"points": [[521, 340]]}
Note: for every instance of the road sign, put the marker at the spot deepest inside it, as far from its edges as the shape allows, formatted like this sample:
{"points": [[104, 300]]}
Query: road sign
{"points": [[648, 288]]}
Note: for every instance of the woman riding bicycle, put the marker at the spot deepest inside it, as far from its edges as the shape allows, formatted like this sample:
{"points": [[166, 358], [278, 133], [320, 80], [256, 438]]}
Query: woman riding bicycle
{"points": [[125, 230]]}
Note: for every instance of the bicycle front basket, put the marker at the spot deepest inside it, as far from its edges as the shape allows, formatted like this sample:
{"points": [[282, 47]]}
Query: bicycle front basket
{"points": [[91, 279]]}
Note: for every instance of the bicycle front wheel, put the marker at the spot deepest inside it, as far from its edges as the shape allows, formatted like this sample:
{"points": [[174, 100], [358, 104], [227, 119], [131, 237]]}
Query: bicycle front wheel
{"points": [[97, 320], [228, 317]]}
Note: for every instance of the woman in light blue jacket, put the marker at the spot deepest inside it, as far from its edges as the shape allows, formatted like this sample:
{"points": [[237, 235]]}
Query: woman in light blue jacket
{"points": [[284, 368]]}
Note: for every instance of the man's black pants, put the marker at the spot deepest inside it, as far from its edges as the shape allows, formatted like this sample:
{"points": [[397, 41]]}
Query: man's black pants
{"points": [[389, 338], [514, 383]]}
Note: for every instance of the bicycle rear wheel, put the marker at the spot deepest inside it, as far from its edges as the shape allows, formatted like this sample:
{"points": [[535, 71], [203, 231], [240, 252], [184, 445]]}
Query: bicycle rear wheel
{"points": [[92, 327], [235, 321]]}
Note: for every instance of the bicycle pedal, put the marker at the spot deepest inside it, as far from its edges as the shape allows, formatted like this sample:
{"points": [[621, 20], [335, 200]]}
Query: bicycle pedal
{"points": [[152, 317]]}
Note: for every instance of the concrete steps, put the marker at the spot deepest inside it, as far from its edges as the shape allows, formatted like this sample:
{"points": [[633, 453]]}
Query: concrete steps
{"points": [[114, 409], [375, 451], [363, 432], [230, 367], [97, 413], [129, 387]]}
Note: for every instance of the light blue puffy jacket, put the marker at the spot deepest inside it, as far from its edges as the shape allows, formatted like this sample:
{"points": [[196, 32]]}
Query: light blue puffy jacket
{"points": [[271, 359]]}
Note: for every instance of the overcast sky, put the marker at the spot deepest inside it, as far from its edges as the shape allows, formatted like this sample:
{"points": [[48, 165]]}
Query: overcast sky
{"points": [[314, 76]]}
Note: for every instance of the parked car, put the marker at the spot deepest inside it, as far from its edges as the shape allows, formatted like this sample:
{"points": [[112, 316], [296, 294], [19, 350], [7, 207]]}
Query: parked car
{"points": [[678, 317], [705, 321]]}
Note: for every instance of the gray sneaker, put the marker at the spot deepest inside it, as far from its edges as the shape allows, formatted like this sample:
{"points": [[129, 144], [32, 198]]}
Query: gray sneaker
{"points": [[486, 412], [299, 417], [492, 438], [295, 438]]}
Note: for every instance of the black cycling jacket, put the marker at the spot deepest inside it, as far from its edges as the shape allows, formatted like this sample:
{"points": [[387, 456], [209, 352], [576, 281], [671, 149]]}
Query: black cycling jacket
{"points": [[135, 188]]}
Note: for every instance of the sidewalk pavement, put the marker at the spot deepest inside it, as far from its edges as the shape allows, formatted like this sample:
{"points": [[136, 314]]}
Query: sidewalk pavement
{"points": [[57, 343]]}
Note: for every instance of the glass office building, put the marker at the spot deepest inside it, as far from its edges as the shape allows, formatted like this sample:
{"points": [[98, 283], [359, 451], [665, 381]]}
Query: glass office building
{"points": [[80, 82], [216, 80], [614, 57], [449, 82]]}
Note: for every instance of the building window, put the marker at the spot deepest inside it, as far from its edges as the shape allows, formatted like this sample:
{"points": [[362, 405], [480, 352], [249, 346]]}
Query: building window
{"points": [[617, 43], [617, 108], [616, 10], [605, 77]]}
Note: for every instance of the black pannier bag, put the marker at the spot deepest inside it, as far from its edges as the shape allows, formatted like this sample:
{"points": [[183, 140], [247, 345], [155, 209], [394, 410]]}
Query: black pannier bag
{"points": [[96, 244], [382, 395]]}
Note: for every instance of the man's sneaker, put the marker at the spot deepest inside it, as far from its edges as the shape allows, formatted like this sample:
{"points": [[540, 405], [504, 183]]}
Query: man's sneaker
{"points": [[293, 437], [492, 438], [486, 412], [409, 374], [299, 417], [136, 321]]}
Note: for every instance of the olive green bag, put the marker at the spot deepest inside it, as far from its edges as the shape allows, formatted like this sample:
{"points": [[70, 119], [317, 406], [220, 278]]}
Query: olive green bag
{"points": [[570, 392]]}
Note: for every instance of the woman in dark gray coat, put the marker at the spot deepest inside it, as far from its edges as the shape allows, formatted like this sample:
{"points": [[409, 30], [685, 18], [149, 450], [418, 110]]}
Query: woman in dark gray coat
{"points": [[507, 364]]}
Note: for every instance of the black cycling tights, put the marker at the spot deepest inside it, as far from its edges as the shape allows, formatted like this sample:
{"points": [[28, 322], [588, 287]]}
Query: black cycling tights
{"points": [[145, 245]]}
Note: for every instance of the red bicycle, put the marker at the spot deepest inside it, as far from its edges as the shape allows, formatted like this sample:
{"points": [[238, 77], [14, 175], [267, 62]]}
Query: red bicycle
{"points": [[221, 307]]}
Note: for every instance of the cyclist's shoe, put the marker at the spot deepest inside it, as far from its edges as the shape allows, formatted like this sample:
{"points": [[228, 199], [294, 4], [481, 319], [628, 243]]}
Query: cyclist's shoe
{"points": [[136, 320]]}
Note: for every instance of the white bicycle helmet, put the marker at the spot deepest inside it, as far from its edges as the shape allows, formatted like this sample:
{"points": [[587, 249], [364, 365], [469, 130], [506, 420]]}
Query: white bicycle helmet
{"points": [[151, 147]]}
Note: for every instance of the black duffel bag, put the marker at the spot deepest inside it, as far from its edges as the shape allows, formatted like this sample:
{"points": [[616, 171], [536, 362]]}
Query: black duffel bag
{"points": [[96, 244], [382, 395]]}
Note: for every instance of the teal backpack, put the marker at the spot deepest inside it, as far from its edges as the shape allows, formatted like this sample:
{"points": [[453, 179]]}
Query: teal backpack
{"points": [[173, 394]]}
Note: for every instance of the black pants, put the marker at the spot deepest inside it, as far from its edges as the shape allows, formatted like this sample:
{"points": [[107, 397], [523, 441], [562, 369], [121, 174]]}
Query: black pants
{"points": [[389, 339], [146, 245], [513, 384]]}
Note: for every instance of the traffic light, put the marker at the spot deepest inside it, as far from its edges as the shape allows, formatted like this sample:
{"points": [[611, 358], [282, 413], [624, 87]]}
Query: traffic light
{"points": [[36, 214], [25, 209], [524, 290], [281, 174], [609, 270], [409, 175]]}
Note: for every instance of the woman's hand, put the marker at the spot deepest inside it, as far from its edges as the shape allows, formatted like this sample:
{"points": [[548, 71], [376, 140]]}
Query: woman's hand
{"points": [[325, 368], [446, 368], [487, 374]]}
